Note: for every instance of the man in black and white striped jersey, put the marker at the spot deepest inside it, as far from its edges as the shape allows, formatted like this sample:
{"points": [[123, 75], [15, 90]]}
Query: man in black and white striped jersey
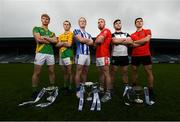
{"points": [[119, 55]]}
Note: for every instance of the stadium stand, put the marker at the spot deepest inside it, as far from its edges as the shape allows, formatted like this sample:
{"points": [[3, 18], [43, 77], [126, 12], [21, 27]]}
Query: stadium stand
{"points": [[21, 50]]}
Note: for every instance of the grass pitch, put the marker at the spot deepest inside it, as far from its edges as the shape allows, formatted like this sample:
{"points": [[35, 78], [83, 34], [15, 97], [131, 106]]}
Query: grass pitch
{"points": [[15, 87]]}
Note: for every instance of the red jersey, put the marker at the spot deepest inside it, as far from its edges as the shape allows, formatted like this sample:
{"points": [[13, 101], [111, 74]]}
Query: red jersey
{"points": [[144, 49], [102, 49]]}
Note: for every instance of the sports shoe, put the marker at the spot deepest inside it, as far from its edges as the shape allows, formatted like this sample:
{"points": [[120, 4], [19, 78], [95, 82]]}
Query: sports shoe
{"points": [[151, 99], [106, 97], [127, 103], [101, 89], [151, 102], [78, 94]]}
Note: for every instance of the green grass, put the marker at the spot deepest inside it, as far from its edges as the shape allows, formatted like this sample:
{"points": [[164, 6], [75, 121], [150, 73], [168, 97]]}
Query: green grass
{"points": [[15, 87]]}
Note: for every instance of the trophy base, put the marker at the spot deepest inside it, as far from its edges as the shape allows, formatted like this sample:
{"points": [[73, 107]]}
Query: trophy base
{"points": [[139, 101], [89, 98]]}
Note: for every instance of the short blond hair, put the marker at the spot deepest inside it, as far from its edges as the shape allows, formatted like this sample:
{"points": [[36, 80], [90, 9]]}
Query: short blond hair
{"points": [[45, 15], [82, 18]]}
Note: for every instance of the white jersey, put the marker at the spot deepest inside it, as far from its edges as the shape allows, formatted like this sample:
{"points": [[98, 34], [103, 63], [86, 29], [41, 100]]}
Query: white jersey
{"points": [[119, 49], [81, 47]]}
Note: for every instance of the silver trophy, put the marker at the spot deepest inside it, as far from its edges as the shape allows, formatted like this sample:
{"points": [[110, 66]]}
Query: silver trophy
{"points": [[52, 93], [89, 86], [92, 95], [138, 91]]}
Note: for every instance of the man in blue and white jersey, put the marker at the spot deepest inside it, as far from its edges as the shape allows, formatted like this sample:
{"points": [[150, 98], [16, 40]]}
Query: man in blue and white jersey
{"points": [[83, 40]]}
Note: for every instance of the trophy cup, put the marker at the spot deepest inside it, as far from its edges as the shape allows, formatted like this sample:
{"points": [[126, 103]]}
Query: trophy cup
{"points": [[138, 91], [88, 89]]}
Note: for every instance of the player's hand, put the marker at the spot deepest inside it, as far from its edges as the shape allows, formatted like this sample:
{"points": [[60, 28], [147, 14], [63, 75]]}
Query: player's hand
{"points": [[43, 41], [59, 44], [129, 41], [44, 37], [135, 45], [95, 44], [113, 38]]}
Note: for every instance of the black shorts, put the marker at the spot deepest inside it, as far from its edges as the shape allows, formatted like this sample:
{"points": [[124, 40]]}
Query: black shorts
{"points": [[120, 60], [137, 60]]}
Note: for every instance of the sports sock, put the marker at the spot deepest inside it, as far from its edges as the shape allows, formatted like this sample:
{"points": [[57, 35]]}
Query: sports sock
{"points": [[65, 84], [134, 84], [151, 93], [35, 89], [70, 85], [125, 84], [109, 91], [52, 83], [78, 88]]}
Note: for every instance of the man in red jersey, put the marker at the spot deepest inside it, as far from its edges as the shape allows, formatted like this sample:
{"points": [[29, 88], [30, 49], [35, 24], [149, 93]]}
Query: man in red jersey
{"points": [[102, 43], [141, 55]]}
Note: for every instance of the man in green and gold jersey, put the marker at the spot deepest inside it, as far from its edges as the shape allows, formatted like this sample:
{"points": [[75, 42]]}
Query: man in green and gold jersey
{"points": [[44, 52], [66, 54]]}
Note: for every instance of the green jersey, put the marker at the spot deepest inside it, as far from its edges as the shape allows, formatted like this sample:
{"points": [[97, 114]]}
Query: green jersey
{"points": [[41, 47]]}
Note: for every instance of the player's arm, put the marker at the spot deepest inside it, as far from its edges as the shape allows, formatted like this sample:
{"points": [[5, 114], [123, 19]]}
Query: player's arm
{"points": [[128, 41], [136, 45], [39, 38], [118, 40], [81, 39], [144, 40], [68, 43], [90, 42], [52, 39], [101, 38], [59, 44]]}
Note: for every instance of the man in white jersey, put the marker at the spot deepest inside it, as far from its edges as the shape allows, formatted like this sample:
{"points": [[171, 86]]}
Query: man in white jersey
{"points": [[119, 56], [82, 59]]}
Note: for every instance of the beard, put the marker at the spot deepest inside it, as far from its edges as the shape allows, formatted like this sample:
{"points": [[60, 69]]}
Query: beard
{"points": [[118, 29], [101, 27]]}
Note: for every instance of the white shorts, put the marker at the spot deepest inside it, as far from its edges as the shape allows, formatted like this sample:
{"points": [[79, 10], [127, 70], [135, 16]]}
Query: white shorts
{"points": [[41, 58], [82, 59], [103, 61], [65, 61]]}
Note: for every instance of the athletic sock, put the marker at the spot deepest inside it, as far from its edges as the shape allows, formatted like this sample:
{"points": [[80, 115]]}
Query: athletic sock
{"points": [[52, 83], [134, 84], [65, 84], [70, 85], [124, 87], [109, 91], [77, 88], [125, 84], [151, 93], [35, 89]]}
